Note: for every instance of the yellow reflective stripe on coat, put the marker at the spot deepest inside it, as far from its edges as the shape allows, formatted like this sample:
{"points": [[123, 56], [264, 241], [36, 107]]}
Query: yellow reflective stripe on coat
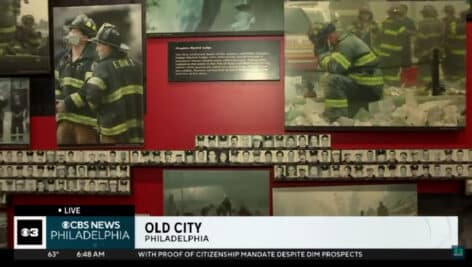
{"points": [[458, 52], [453, 27], [391, 78], [391, 47], [365, 59], [370, 81], [393, 32], [336, 103], [324, 61], [123, 91], [77, 119], [10, 29], [77, 99], [88, 75], [341, 59], [98, 82], [72, 82], [121, 128], [56, 75]]}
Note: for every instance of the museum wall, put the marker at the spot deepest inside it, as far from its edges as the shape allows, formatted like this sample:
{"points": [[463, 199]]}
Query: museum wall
{"points": [[176, 112]]}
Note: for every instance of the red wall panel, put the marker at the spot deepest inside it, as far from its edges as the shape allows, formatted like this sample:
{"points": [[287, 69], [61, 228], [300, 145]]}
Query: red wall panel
{"points": [[176, 112]]}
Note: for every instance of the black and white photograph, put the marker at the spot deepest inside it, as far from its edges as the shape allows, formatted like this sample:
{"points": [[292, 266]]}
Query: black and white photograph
{"points": [[179, 157], [438, 171], [291, 171], [279, 172], [325, 156], [234, 141], [257, 142], [102, 102], [460, 155], [403, 156], [14, 110], [268, 141], [200, 156], [190, 157], [407, 71], [124, 186], [245, 141], [291, 156], [381, 155], [359, 156], [279, 141], [212, 141], [437, 155], [448, 170], [169, 157], [302, 171], [359, 171], [245, 157], [257, 157], [313, 171], [201, 141], [291, 142], [280, 157], [335, 171], [113, 185], [213, 17], [268, 156], [212, 157], [124, 171], [81, 171], [24, 37], [353, 200], [223, 141], [92, 171], [40, 157], [71, 185]]}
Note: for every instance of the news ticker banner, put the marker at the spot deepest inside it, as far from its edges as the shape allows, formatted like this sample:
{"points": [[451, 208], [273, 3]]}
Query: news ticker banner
{"points": [[104, 232]]}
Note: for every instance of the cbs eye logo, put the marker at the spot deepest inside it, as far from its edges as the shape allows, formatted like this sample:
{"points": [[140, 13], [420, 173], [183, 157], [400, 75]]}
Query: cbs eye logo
{"points": [[29, 233]]}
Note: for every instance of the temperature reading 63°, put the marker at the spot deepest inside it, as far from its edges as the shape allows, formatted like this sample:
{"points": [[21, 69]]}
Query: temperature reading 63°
{"points": [[53, 254]]}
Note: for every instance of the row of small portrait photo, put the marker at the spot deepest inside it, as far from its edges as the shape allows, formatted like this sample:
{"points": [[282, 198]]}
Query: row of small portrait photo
{"points": [[65, 171], [294, 141], [390, 171], [66, 186], [64, 156]]}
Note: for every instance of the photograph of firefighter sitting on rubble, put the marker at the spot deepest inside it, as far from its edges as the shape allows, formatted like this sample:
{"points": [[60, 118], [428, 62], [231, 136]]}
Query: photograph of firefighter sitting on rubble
{"points": [[24, 37], [382, 64]]}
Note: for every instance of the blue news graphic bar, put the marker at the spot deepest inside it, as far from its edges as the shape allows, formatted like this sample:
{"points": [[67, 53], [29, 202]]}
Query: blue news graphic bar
{"points": [[249, 254]]}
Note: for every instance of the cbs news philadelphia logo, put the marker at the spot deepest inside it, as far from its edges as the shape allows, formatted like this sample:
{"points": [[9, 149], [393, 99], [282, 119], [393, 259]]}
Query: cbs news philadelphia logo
{"points": [[30, 232]]}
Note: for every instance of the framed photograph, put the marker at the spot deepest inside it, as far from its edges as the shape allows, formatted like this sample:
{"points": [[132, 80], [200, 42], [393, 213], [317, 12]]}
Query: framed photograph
{"points": [[415, 171], [39, 171], [370, 156], [245, 141], [113, 185], [415, 156], [28, 171], [291, 141], [82, 185], [225, 192], [290, 156], [124, 171], [371, 200], [460, 171], [313, 171], [201, 141], [245, 157], [200, 156], [279, 156], [381, 171], [135, 157], [92, 171], [144, 157], [291, 171], [257, 157], [370, 171], [325, 156], [40, 157], [234, 141], [402, 84], [335, 171], [347, 171], [459, 155], [359, 171], [81, 171], [391, 156], [212, 142], [448, 171], [124, 186], [103, 186], [437, 155], [347, 156], [91, 186], [223, 141], [234, 156], [169, 157], [403, 156], [109, 35], [381, 155], [303, 156], [189, 157], [61, 157], [257, 142], [325, 171], [468, 188], [448, 155], [179, 157], [267, 157], [336, 156], [426, 171], [71, 185], [212, 157], [14, 110], [29, 157], [103, 157], [360, 156], [24, 45], [268, 141], [279, 141], [279, 172], [214, 17], [302, 171], [102, 171], [425, 155], [404, 171]]}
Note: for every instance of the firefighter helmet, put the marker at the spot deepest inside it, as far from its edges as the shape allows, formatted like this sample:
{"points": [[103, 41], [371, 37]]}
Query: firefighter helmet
{"points": [[429, 11], [108, 34], [27, 20], [85, 24], [449, 9], [322, 30], [365, 10], [394, 10]]}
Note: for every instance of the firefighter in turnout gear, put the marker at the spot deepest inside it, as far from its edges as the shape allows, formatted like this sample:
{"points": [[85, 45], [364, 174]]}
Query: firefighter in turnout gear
{"points": [[392, 45], [453, 64], [428, 38], [366, 28], [27, 37], [354, 78], [115, 90], [9, 12], [76, 123]]}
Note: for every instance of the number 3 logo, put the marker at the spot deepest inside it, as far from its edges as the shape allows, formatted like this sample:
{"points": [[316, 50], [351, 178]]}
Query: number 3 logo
{"points": [[33, 232]]}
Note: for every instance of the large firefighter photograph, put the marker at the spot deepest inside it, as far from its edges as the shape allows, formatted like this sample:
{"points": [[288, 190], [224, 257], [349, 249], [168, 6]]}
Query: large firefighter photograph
{"points": [[98, 67], [214, 17], [24, 37], [14, 112], [375, 64]]}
